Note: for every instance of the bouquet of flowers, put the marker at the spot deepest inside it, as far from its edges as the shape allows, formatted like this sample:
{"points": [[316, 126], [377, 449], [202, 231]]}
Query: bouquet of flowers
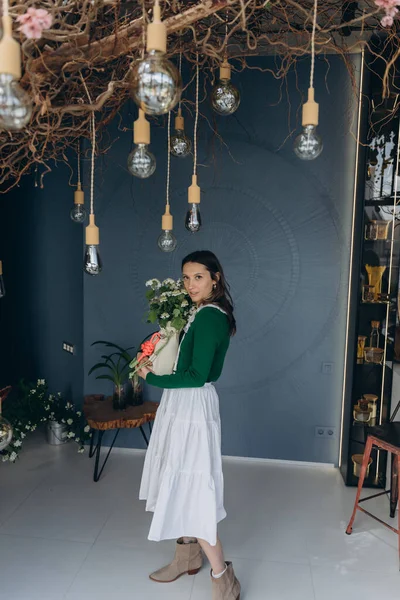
{"points": [[169, 306]]}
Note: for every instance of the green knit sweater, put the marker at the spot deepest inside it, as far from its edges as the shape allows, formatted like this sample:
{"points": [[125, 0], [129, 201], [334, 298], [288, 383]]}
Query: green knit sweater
{"points": [[202, 352]]}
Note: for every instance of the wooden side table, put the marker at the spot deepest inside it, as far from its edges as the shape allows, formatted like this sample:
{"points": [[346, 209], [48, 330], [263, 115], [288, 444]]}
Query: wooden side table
{"points": [[101, 417]]}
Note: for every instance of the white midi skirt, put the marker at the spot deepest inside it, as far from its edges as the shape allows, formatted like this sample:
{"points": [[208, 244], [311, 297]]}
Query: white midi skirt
{"points": [[182, 480]]}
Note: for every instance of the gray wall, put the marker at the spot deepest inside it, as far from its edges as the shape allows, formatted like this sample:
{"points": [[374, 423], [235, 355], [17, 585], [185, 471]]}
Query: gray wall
{"points": [[42, 253], [281, 228]]}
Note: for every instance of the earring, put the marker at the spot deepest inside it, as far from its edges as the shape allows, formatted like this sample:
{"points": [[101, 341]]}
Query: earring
{"points": [[214, 286]]}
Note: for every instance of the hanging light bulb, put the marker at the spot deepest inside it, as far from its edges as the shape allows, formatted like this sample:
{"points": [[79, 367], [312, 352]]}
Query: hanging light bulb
{"points": [[141, 162], [2, 288], [78, 212], [308, 144], [92, 261], [167, 241], [225, 97], [15, 103], [180, 143], [156, 83], [193, 218]]}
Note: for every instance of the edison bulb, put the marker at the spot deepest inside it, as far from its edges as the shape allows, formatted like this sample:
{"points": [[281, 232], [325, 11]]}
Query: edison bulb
{"points": [[167, 242], [6, 433], [92, 262], [15, 104], [141, 162], [78, 213], [180, 144], [225, 97], [156, 84], [193, 218], [308, 144]]}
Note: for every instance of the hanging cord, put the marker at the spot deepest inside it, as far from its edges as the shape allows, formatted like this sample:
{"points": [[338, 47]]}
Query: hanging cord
{"points": [[143, 28], [313, 44], [197, 116], [92, 169], [93, 128], [169, 156], [79, 162], [180, 73], [226, 36]]}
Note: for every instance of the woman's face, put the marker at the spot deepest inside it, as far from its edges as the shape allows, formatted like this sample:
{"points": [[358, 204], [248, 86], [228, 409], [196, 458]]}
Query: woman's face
{"points": [[197, 281]]}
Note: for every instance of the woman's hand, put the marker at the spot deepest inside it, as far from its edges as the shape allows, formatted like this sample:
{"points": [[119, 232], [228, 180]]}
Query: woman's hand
{"points": [[145, 370]]}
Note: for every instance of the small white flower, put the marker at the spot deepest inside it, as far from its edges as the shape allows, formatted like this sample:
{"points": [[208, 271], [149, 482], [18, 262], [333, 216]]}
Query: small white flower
{"points": [[27, 427], [149, 283], [22, 434], [33, 427], [62, 420], [81, 450], [17, 443], [70, 421], [169, 281], [68, 405], [71, 435], [5, 458], [78, 413], [176, 293], [47, 407], [163, 297], [77, 439], [13, 456], [41, 382], [87, 429], [184, 303], [165, 316]]}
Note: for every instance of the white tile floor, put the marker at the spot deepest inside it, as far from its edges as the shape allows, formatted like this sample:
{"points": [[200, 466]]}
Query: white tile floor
{"points": [[63, 537]]}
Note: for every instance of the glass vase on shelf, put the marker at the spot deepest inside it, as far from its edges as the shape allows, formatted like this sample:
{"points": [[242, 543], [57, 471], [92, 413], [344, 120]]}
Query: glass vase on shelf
{"points": [[374, 337], [375, 275], [360, 348]]}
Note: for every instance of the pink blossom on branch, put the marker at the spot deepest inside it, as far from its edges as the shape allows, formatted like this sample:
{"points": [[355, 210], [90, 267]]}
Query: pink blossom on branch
{"points": [[390, 8], [34, 21]]}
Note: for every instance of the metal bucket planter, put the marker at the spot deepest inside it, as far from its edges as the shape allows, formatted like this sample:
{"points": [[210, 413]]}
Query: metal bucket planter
{"points": [[56, 433]]}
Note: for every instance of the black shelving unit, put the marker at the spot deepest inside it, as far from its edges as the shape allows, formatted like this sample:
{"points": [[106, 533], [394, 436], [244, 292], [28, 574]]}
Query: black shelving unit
{"points": [[377, 176]]}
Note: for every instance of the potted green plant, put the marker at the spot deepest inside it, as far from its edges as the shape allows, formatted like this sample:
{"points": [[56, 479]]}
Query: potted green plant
{"points": [[115, 367]]}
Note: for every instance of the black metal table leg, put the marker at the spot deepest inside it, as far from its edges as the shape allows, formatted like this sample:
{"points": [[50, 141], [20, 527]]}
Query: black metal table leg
{"points": [[91, 451], [97, 474], [394, 488], [144, 435]]}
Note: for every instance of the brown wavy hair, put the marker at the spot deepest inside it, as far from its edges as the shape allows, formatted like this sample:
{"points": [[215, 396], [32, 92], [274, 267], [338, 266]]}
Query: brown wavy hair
{"points": [[221, 293]]}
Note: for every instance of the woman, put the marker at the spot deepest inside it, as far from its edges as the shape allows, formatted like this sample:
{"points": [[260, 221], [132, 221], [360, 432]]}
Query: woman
{"points": [[182, 479]]}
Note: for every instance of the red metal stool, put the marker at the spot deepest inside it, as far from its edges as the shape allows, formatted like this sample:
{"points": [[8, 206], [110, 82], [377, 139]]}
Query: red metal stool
{"points": [[386, 437]]}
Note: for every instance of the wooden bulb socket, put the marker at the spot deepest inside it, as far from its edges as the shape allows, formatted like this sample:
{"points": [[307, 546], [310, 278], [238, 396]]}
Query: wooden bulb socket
{"points": [[141, 129], [92, 233], [167, 221], [194, 192], [79, 195], [225, 70], [10, 51], [310, 110], [157, 32]]}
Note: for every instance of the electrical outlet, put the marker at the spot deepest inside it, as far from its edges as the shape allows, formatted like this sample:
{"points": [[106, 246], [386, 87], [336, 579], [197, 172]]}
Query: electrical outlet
{"points": [[68, 347], [325, 432], [327, 368]]}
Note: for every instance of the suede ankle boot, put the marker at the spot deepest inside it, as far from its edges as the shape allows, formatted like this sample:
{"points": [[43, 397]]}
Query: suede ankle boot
{"points": [[226, 587], [188, 559]]}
